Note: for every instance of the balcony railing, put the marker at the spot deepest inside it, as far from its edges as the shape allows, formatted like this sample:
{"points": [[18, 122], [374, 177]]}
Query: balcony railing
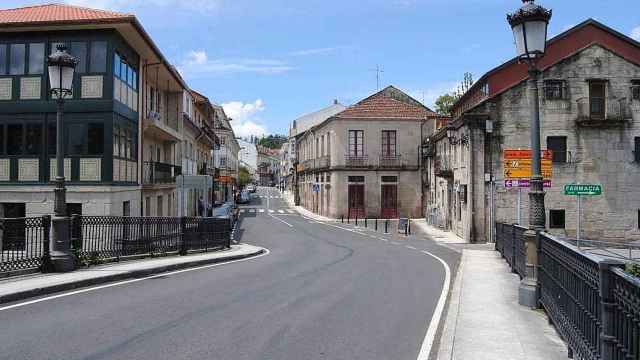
{"points": [[356, 161], [602, 112], [309, 164], [390, 161], [160, 173], [443, 167]]}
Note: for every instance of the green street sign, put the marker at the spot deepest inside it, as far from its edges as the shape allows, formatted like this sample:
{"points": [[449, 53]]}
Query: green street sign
{"points": [[582, 189]]}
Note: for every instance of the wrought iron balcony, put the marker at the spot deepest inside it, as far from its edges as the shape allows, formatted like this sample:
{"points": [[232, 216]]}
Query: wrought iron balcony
{"points": [[390, 161], [159, 173], [359, 161], [608, 112], [443, 167]]}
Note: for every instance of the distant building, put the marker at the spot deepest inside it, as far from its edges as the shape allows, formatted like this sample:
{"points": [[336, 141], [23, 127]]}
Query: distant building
{"points": [[268, 166], [248, 157], [364, 160], [590, 121]]}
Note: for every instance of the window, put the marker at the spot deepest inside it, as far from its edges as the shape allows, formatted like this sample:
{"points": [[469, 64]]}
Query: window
{"points": [[635, 89], [95, 137], [130, 76], [79, 51], [597, 103], [117, 64], [555, 89], [123, 140], [388, 143], [36, 58], [16, 66], [33, 140], [356, 143], [389, 179], [51, 138], [14, 139], [75, 134], [1, 139], [558, 147], [147, 206], [74, 209], [636, 151], [159, 211], [328, 144], [556, 219], [116, 141], [356, 179], [3, 59], [129, 145], [98, 61]]}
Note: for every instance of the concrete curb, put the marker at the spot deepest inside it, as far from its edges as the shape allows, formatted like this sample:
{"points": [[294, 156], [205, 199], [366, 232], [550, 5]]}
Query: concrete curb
{"points": [[22, 295]]}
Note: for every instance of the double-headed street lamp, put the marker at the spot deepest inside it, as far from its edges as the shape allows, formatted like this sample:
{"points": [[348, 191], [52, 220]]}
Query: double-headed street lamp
{"points": [[529, 25], [61, 68]]}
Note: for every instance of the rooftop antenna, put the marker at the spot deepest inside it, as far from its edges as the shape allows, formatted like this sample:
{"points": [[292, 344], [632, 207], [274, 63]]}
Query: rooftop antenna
{"points": [[378, 72]]}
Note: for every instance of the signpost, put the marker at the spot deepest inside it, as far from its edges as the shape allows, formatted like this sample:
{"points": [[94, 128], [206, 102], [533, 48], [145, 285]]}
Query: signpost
{"points": [[517, 171], [579, 190]]}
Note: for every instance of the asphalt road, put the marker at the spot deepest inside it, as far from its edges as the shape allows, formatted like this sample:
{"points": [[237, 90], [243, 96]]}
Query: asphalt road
{"points": [[323, 292]]}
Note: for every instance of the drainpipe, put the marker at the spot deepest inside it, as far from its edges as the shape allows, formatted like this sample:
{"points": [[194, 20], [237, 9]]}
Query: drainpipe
{"points": [[472, 230]]}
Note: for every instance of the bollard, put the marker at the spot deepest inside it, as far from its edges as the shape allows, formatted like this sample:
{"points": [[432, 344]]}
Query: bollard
{"points": [[406, 229], [376, 224], [365, 222], [386, 226], [342, 219], [349, 218], [409, 224], [356, 220]]}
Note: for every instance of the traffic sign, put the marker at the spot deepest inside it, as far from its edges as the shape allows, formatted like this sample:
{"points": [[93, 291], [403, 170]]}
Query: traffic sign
{"points": [[582, 189], [517, 164], [523, 183]]}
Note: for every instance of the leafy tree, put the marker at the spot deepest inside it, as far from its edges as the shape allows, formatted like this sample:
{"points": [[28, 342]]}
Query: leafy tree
{"points": [[244, 177], [272, 141], [444, 103]]}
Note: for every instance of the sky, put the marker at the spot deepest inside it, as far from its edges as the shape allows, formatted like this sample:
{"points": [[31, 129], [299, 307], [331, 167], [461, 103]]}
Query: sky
{"points": [[270, 61]]}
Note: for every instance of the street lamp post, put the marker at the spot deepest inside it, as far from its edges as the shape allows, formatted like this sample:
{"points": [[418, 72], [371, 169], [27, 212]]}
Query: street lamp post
{"points": [[61, 68], [529, 25]]}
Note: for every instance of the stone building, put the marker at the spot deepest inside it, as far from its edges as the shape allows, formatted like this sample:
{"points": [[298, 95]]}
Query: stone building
{"points": [[364, 161], [590, 121], [225, 157]]}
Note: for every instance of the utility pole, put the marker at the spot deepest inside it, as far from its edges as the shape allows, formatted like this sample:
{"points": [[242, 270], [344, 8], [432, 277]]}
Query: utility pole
{"points": [[378, 72]]}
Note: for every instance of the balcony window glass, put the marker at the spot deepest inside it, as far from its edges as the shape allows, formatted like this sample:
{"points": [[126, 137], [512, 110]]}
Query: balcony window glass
{"points": [[95, 137], [558, 147], [76, 137], [356, 143], [79, 51], [36, 58], [33, 139], [51, 138], [14, 139], [123, 140], [128, 151], [556, 219], [17, 56], [116, 65], [635, 90], [130, 76], [98, 59], [3, 59], [636, 151], [116, 141], [388, 143], [1, 139]]}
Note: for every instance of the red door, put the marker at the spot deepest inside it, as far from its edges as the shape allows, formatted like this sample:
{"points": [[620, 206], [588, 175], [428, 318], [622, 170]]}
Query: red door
{"points": [[389, 201], [356, 200]]}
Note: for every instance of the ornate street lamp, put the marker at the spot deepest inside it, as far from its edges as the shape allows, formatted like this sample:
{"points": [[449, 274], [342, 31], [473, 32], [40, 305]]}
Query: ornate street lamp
{"points": [[61, 68], [529, 25]]}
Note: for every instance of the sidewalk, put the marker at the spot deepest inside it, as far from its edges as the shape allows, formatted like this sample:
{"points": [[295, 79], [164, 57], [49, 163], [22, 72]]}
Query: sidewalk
{"points": [[484, 320], [22, 287], [288, 197]]}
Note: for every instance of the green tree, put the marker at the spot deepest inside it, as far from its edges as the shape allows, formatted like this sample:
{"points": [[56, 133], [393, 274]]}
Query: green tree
{"points": [[273, 141], [244, 177], [444, 103]]}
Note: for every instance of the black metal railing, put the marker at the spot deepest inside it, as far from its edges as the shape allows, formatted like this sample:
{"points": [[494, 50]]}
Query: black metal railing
{"points": [[24, 244], [592, 301], [390, 161], [96, 239], [160, 173], [356, 161], [101, 238]]}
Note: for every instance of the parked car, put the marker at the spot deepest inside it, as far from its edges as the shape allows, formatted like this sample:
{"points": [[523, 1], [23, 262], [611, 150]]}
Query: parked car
{"points": [[225, 211], [245, 197]]}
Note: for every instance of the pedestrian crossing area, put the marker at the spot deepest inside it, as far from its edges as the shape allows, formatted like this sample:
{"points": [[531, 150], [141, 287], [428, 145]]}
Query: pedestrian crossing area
{"points": [[268, 211], [269, 197]]}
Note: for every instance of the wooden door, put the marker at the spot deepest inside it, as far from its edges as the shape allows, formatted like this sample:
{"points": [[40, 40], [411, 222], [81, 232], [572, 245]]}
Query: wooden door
{"points": [[389, 201], [356, 200]]}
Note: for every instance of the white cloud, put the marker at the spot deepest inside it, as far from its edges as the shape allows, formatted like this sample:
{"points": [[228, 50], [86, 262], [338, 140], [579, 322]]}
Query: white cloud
{"points": [[120, 5], [635, 33], [197, 62], [315, 51], [246, 117]]}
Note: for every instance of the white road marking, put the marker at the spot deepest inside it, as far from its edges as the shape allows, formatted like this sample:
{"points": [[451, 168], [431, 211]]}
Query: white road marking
{"points": [[266, 252], [241, 211], [425, 350], [290, 211], [411, 247], [385, 240], [282, 221], [271, 211], [261, 210], [252, 211], [281, 211]]}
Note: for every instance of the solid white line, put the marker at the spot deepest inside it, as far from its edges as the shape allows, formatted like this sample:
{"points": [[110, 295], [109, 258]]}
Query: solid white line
{"points": [[281, 211], [266, 252], [411, 247], [425, 350], [271, 211], [286, 223], [290, 211]]}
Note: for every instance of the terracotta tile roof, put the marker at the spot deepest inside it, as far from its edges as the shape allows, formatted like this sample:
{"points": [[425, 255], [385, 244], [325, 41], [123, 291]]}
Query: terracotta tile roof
{"points": [[383, 106], [55, 13]]}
